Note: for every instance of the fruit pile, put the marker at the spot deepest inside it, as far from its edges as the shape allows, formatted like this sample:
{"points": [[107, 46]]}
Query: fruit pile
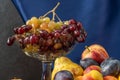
{"points": [[44, 35], [95, 64]]}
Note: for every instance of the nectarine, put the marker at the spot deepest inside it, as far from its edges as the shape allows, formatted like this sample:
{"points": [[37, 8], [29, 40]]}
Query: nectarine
{"points": [[92, 67], [93, 75], [109, 78]]}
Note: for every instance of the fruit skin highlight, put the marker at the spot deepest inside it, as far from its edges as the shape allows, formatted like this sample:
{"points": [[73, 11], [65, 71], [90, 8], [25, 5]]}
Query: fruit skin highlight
{"points": [[96, 52], [64, 63]]}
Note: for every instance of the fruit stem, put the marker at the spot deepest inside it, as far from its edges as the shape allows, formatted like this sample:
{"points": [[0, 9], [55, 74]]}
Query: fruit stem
{"points": [[53, 12], [58, 17], [87, 48], [53, 18]]}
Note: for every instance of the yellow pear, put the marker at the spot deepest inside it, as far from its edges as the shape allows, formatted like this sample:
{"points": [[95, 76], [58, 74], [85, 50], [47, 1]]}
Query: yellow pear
{"points": [[64, 63], [119, 77]]}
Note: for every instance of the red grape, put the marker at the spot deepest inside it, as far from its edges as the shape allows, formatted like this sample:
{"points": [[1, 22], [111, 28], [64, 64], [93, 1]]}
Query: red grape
{"points": [[43, 33], [72, 21], [10, 40], [79, 25], [27, 40], [21, 30], [80, 38], [57, 34], [27, 28], [77, 33], [72, 27], [63, 27], [15, 30], [49, 42], [34, 39], [21, 41]]}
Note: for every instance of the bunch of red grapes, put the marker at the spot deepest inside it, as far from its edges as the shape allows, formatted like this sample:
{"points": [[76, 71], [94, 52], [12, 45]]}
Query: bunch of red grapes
{"points": [[45, 35]]}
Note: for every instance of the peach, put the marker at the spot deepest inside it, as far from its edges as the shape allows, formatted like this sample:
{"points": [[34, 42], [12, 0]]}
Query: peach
{"points": [[93, 75], [78, 78], [109, 78], [92, 67]]}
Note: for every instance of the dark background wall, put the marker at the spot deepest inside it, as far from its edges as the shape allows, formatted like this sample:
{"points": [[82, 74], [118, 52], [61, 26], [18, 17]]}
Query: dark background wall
{"points": [[13, 62]]}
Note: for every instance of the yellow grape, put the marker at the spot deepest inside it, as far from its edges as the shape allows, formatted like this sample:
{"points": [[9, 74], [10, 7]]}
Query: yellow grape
{"points": [[51, 25], [31, 48], [35, 48], [44, 26], [28, 22], [58, 25], [48, 30], [66, 22], [35, 22], [57, 45], [28, 48], [40, 20], [33, 18], [46, 19]]}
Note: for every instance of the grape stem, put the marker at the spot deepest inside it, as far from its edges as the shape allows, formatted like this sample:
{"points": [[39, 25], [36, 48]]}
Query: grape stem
{"points": [[58, 17], [53, 12]]}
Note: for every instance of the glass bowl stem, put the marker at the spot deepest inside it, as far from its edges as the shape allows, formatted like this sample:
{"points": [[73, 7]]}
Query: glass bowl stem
{"points": [[46, 70]]}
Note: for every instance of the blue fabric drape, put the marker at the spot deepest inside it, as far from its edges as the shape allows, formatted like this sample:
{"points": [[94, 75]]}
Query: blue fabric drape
{"points": [[100, 18]]}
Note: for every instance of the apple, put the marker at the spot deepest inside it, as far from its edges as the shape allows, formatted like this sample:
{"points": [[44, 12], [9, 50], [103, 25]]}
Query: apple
{"points": [[92, 67], [96, 52]]}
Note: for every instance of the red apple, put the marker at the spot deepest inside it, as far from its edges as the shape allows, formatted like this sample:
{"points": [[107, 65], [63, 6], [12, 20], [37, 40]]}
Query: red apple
{"points": [[92, 67], [96, 52]]}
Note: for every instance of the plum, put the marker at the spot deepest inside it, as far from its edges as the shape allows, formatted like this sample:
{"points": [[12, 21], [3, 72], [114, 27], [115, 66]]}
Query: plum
{"points": [[63, 75], [110, 66], [87, 62]]}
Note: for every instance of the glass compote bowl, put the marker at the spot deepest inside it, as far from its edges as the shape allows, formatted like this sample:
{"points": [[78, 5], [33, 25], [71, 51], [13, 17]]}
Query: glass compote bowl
{"points": [[46, 39], [47, 59]]}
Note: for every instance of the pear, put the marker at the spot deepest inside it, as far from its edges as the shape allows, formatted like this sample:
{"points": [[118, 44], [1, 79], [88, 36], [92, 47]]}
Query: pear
{"points": [[119, 76], [64, 63]]}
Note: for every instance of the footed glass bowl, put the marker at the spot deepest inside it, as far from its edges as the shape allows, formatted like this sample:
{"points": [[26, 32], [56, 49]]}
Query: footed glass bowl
{"points": [[47, 59]]}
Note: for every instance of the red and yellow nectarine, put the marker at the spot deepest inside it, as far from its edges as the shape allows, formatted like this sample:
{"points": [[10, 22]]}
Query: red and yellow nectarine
{"points": [[92, 67], [93, 75], [110, 78]]}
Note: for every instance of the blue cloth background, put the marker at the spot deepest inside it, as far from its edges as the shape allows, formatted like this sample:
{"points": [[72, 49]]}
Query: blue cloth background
{"points": [[100, 18]]}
